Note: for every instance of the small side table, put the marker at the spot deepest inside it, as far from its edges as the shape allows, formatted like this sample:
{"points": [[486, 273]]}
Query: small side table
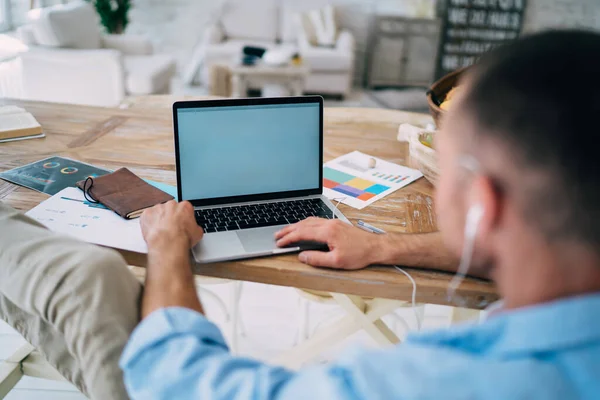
{"points": [[290, 78]]}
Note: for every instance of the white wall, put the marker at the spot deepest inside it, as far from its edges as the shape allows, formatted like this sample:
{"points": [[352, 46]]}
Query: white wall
{"points": [[546, 14], [175, 26]]}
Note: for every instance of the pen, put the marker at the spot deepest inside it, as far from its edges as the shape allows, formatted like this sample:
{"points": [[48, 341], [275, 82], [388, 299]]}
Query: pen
{"points": [[369, 228], [68, 198]]}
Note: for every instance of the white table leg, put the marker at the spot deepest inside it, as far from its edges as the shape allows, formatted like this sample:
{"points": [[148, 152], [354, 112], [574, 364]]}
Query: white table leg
{"points": [[10, 375], [303, 320], [25, 362], [459, 315], [356, 307], [238, 86], [341, 329], [236, 294], [297, 87]]}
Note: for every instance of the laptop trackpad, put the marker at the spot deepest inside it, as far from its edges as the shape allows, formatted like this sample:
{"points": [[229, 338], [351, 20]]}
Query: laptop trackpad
{"points": [[259, 240], [218, 246]]}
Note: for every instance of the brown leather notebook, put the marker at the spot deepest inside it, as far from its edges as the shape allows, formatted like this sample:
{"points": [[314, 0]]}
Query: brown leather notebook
{"points": [[125, 193]]}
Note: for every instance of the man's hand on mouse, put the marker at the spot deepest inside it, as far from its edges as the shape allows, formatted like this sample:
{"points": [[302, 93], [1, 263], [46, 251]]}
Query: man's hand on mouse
{"points": [[349, 247], [169, 224]]}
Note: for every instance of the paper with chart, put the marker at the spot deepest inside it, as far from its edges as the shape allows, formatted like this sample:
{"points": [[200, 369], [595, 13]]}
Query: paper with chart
{"points": [[68, 212], [350, 178]]}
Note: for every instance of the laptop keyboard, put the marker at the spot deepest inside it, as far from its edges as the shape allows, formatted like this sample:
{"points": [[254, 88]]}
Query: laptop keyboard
{"points": [[248, 216]]}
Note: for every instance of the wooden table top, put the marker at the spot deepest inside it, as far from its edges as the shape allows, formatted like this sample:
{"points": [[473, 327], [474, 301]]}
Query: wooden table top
{"points": [[141, 139]]}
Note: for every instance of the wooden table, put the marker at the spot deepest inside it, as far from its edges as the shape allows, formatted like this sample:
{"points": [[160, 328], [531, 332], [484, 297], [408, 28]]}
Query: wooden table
{"points": [[289, 77], [141, 139]]}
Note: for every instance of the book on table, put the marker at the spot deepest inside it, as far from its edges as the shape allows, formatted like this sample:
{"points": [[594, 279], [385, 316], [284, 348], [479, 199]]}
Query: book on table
{"points": [[16, 123]]}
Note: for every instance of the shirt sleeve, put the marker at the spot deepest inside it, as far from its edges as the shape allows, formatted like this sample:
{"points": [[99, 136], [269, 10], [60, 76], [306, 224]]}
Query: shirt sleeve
{"points": [[176, 353]]}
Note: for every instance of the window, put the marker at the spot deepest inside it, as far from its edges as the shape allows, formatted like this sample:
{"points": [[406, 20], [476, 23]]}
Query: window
{"points": [[4, 15]]}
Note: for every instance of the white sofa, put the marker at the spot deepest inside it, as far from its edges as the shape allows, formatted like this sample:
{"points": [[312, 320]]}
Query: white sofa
{"points": [[271, 24], [71, 61]]}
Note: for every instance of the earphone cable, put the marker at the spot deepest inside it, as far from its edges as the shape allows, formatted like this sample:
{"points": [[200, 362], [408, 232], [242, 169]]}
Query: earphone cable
{"points": [[414, 296]]}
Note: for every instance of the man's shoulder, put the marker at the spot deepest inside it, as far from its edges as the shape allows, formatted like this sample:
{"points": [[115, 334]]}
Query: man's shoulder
{"points": [[470, 361]]}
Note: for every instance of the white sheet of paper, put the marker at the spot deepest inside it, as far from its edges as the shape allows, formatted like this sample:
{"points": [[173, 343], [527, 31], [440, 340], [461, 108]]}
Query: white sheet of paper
{"points": [[66, 213], [350, 178], [38, 136]]}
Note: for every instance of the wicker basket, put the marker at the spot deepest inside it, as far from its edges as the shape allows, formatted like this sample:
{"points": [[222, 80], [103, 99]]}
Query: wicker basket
{"points": [[438, 91], [423, 158]]}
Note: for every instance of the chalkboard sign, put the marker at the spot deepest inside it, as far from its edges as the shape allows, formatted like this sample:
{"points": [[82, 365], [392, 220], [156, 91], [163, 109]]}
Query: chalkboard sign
{"points": [[472, 27]]}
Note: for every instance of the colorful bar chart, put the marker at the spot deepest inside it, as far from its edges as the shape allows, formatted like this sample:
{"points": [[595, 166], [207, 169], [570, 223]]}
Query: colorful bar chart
{"points": [[390, 178], [350, 185], [358, 180]]}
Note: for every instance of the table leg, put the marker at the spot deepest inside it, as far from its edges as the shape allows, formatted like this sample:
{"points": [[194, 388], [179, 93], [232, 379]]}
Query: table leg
{"points": [[10, 375], [236, 294], [459, 315], [24, 362], [238, 86], [297, 87], [347, 325], [356, 307]]}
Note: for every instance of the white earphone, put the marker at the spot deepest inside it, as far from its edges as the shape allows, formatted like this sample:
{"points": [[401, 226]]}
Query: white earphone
{"points": [[474, 216], [473, 219]]}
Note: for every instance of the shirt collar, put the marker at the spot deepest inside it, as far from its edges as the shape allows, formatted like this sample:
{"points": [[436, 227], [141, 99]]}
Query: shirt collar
{"points": [[552, 326]]}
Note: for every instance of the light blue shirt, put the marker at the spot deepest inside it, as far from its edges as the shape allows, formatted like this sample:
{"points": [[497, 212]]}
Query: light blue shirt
{"points": [[550, 351]]}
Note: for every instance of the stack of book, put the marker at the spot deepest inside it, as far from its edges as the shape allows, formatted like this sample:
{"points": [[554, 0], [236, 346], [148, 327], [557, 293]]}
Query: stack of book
{"points": [[18, 124]]}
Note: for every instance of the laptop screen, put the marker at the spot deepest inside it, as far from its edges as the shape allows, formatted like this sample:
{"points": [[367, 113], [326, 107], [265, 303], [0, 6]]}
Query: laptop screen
{"points": [[228, 151]]}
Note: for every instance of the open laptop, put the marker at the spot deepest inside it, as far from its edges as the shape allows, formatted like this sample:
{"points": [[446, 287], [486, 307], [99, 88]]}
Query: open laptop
{"points": [[250, 167]]}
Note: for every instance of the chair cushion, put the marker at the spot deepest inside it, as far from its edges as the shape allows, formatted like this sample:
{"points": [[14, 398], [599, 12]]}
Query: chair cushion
{"points": [[327, 59], [148, 74], [73, 25], [316, 24], [254, 20]]}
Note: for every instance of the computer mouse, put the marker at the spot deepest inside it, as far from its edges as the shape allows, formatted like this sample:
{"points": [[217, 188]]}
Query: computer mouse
{"points": [[305, 245]]}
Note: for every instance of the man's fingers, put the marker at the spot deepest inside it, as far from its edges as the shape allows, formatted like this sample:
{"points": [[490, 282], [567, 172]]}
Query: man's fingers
{"points": [[281, 233], [290, 238], [318, 258], [290, 228], [317, 234], [197, 235], [311, 222]]}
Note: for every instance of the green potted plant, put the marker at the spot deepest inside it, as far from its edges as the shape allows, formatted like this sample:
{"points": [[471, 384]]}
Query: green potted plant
{"points": [[113, 14]]}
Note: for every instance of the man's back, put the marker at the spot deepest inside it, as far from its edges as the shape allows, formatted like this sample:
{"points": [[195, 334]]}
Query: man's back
{"points": [[550, 351]]}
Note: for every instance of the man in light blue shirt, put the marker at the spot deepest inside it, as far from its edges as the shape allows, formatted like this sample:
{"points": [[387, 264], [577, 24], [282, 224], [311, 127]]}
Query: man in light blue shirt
{"points": [[518, 199]]}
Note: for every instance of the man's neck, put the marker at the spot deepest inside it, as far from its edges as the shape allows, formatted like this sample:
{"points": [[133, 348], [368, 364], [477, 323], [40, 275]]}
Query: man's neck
{"points": [[535, 275]]}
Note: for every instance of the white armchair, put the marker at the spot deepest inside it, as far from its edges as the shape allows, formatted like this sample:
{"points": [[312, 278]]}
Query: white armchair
{"points": [[332, 68], [70, 61], [270, 24]]}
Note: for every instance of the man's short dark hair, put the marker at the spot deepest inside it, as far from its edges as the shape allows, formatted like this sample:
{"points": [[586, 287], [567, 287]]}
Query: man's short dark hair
{"points": [[540, 95]]}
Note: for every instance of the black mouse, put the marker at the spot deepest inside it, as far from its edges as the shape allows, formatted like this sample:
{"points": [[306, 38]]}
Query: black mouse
{"points": [[310, 245]]}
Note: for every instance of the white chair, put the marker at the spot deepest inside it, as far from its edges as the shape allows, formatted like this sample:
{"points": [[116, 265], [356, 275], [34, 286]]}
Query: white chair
{"points": [[26, 361], [270, 24], [332, 67], [71, 61]]}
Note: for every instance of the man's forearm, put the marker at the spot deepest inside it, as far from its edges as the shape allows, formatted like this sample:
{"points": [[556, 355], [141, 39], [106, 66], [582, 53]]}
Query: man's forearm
{"points": [[415, 250], [426, 250], [169, 279]]}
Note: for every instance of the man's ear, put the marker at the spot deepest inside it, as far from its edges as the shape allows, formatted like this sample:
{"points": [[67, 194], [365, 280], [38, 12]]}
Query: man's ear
{"points": [[484, 195]]}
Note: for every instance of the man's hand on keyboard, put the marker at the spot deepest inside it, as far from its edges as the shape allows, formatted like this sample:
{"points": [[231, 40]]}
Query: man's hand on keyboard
{"points": [[170, 230], [350, 248], [170, 223]]}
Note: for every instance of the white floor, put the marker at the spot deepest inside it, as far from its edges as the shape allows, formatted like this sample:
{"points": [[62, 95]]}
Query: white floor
{"points": [[270, 315]]}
